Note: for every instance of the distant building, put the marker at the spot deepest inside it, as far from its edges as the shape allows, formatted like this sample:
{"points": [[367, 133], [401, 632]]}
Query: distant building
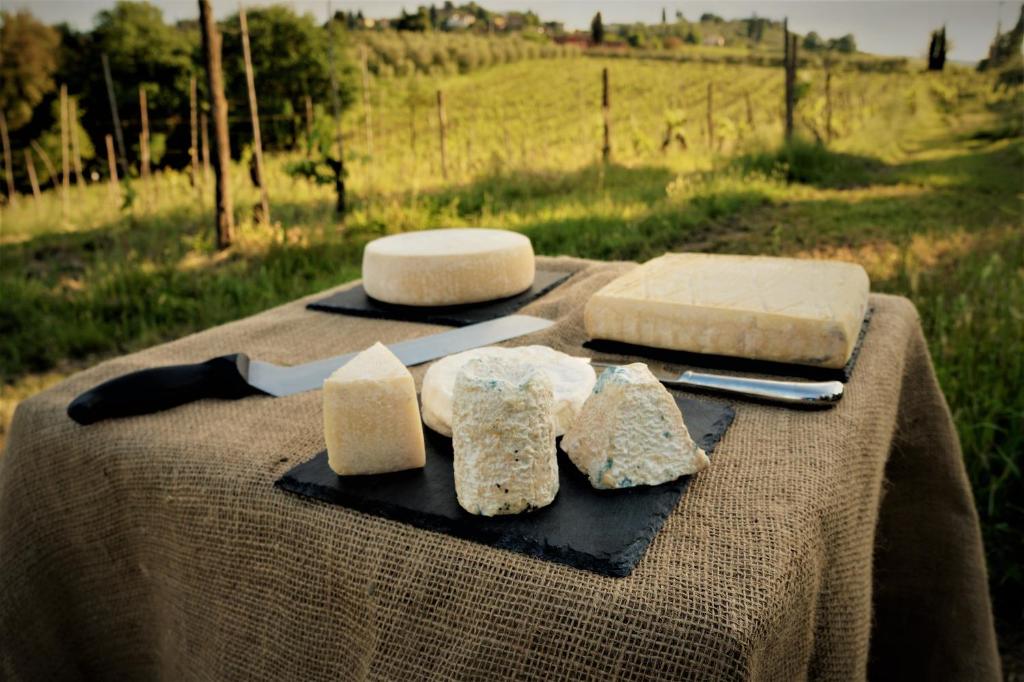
{"points": [[714, 41], [459, 21], [581, 39]]}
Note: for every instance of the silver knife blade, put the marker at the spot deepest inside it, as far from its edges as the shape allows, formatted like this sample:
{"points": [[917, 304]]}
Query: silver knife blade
{"points": [[775, 390], [281, 381]]}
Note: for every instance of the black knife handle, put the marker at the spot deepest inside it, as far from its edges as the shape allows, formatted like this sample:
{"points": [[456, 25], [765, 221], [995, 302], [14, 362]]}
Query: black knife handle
{"points": [[161, 388]]}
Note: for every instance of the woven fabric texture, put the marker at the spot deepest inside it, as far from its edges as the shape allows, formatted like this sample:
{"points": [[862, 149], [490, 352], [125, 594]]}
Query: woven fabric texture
{"points": [[819, 544]]}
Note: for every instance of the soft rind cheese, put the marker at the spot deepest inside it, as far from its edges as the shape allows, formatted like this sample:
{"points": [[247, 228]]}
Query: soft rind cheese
{"points": [[572, 378], [631, 433], [448, 267], [371, 418], [782, 309], [504, 438]]}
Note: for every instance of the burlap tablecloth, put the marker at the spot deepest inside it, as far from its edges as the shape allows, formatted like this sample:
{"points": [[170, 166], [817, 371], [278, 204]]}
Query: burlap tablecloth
{"points": [[824, 545]]}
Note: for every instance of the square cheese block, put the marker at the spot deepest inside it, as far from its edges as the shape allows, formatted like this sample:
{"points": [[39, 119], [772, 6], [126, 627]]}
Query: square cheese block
{"points": [[371, 417], [503, 437], [807, 312]]}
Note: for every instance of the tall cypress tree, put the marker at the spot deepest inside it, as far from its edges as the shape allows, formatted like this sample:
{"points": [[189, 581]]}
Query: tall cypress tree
{"points": [[597, 29]]}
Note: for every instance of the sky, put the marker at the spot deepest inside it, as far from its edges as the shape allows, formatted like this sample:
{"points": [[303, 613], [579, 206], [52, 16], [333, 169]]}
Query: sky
{"points": [[886, 27]]}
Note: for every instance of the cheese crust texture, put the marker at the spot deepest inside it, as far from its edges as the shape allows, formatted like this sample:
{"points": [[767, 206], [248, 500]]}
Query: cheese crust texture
{"points": [[448, 267], [631, 433], [806, 312], [371, 418], [504, 438], [571, 378]]}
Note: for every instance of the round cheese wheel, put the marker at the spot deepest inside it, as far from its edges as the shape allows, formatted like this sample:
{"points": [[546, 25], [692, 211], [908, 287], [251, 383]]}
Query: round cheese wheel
{"points": [[572, 379], [447, 267]]}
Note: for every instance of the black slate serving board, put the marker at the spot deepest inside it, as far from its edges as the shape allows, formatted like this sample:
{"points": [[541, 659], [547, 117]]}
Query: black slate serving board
{"points": [[604, 531], [731, 364], [355, 301]]}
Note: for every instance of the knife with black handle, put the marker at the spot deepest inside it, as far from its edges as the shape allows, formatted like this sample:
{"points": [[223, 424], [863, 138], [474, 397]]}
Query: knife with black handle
{"points": [[230, 377], [161, 388]]}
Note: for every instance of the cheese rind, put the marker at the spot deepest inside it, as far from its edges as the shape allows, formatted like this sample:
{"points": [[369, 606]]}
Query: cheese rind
{"points": [[781, 309], [448, 267], [371, 417], [572, 378], [504, 438], [631, 433]]}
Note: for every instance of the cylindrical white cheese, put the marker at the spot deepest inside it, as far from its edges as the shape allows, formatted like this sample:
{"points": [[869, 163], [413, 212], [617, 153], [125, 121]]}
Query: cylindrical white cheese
{"points": [[447, 267], [571, 380], [503, 438]]}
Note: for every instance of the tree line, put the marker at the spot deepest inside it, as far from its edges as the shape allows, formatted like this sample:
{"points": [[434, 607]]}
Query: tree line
{"points": [[289, 52]]}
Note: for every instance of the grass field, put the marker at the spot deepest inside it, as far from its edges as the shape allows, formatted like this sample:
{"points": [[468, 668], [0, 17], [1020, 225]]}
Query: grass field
{"points": [[922, 185]]}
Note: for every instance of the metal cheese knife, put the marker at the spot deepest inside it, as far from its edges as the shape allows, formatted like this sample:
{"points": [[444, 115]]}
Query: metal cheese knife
{"points": [[808, 393], [230, 377]]}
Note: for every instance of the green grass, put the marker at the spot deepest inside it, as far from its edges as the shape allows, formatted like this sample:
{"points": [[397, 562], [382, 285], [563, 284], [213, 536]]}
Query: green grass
{"points": [[922, 186]]}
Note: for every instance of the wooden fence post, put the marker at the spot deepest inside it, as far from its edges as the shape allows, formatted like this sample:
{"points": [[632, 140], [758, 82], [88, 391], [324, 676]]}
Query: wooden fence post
{"points": [[789, 61], [366, 100], [143, 135], [828, 101], [8, 163], [112, 166], [76, 151], [257, 143], [204, 146], [65, 143], [118, 133], [32, 177], [309, 123], [54, 176], [193, 125], [606, 112], [338, 165], [222, 160], [412, 128], [442, 128], [711, 115]]}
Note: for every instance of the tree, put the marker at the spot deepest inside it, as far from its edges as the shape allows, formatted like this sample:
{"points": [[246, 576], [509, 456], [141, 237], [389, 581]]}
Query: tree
{"points": [[812, 42], [290, 60], [755, 28], [222, 152], [845, 44], [1006, 47], [143, 50], [937, 50], [597, 29], [709, 18], [28, 61]]}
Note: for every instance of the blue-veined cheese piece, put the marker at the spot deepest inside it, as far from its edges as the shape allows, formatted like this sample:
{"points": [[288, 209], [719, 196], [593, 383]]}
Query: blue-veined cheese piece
{"points": [[572, 378], [807, 312], [503, 437], [630, 432], [448, 267], [371, 418]]}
